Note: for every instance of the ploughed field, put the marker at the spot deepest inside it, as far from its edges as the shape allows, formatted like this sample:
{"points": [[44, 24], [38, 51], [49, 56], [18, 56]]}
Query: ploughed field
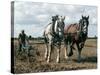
{"points": [[35, 62]]}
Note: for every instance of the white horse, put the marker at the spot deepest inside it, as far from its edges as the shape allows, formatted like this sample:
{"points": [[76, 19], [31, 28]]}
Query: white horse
{"points": [[52, 39]]}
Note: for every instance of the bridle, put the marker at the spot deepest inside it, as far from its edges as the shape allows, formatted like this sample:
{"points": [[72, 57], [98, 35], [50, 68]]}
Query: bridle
{"points": [[83, 25]]}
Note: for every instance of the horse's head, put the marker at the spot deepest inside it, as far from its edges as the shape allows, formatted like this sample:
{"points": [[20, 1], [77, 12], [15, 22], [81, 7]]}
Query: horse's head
{"points": [[61, 18], [59, 26], [54, 18], [84, 22]]}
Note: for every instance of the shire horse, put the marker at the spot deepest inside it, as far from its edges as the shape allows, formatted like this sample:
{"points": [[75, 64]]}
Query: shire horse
{"points": [[76, 34], [54, 39]]}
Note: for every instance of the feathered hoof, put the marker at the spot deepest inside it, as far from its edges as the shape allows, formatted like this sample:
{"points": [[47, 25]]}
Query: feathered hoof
{"points": [[79, 60], [48, 61], [57, 61]]}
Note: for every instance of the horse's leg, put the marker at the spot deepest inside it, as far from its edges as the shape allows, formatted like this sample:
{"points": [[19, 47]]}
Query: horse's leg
{"points": [[46, 51], [58, 54], [49, 53], [67, 53], [79, 52], [66, 57], [71, 47], [46, 47], [67, 47]]}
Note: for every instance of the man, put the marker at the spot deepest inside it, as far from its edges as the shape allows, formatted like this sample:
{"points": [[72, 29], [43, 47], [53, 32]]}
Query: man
{"points": [[54, 18], [22, 39]]}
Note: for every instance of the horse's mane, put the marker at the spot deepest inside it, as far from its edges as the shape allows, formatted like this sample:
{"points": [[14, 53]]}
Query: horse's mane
{"points": [[47, 25]]}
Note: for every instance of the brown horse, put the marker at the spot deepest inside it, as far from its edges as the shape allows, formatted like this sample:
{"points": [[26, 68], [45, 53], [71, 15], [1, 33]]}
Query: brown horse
{"points": [[76, 34]]}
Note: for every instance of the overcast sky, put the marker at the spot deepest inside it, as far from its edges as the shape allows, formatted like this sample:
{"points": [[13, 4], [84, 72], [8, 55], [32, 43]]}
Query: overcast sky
{"points": [[34, 17]]}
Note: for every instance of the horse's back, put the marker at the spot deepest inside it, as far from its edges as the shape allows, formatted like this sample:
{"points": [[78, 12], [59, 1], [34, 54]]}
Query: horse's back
{"points": [[47, 29], [72, 28]]}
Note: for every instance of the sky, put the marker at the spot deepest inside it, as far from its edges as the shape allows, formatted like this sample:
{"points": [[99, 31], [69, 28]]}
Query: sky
{"points": [[34, 17]]}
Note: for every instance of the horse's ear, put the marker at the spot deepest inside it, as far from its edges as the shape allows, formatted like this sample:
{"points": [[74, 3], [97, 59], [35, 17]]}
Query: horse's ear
{"points": [[82, 16], [88, 17], [64, 18]]}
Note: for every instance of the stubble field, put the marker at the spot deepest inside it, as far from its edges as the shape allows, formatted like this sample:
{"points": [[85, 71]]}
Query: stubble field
{"points": [[35, 62]]}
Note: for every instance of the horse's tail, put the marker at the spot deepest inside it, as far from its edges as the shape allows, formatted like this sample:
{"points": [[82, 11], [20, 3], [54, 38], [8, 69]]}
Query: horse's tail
{"points": [[69, 44]]}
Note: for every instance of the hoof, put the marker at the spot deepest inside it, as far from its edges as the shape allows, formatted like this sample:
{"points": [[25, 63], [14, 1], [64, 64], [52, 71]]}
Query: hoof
{"points": [[48, 61], [45, 57], [57, 61], [79, 61], [66, 57]]}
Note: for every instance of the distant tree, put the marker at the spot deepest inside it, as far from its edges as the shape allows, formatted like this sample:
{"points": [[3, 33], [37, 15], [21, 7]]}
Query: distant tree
{"points": [[95, 37], [30, 37], [39, 38]]}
